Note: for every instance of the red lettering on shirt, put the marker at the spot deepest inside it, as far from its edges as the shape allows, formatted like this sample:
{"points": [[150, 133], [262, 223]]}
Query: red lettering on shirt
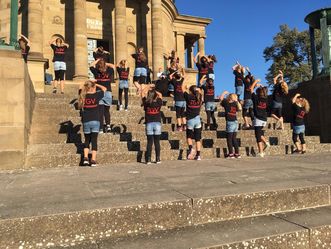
{"points": [[233, 111], [153, 110], [262, 105], [194, 104], [90, 103], [301, 114]]}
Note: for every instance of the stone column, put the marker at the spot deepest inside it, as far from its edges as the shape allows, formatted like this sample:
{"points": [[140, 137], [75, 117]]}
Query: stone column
{"points": [[313, 51], [180, 37], [326, 42], [157, 36], [202, 45], [121, 52], [80, 38], [35, 28]]}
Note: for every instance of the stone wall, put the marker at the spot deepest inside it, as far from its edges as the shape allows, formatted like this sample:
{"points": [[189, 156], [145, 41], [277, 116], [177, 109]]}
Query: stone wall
{"points": [[16, 106], [318, 93]]}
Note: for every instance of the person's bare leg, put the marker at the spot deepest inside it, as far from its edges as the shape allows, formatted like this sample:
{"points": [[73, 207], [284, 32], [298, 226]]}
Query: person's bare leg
{"points": [[304, 147], [62, 85], [298, 146], [94, 155], [198, 145], [86, 151], [260, 147]]}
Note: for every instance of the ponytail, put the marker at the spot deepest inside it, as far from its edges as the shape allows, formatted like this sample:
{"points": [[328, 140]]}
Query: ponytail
{"points": [[82, 95]]}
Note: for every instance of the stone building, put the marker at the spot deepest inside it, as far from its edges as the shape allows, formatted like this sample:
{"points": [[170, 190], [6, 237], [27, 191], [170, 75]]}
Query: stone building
{"points": [[117, 25]]}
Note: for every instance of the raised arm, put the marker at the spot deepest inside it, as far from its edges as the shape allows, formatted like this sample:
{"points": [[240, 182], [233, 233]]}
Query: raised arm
{"points": [[280, 75], [94, 63], [235, 67], [203, 79], [52, 41], [110, 65], [146, 89], [221, 98], [102, 88], [65, 44], [294, 100], [26, 39], [255, 84], [196, 58]]}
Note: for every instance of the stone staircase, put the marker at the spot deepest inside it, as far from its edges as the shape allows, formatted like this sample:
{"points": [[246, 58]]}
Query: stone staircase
{"points": [[56, 135]]}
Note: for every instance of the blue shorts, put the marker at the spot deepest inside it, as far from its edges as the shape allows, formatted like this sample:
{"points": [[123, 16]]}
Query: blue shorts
{"points": [[210, 106], [194, 123], [91, 127], [259, 123], [181, 104], [248, 103], [124, 84], [299, 129], [107, 99], [231, 126], [239, 91], [277, 105], [153, 128], [60, 65], [140, 71], [171, 88]]}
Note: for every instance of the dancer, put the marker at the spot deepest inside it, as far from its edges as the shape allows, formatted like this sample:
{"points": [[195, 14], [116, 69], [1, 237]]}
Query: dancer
{"points": [[59, 49], [152, 103], [123, 71], [239, 73], [202, 65], [211, 62], [177, 80], [103, 73], [89, 99], [209, 98], [173, 68], [248, 111], [193, 99], [231, 106], [260, 101], [140, 72], [101, 53], [25, 47], [280, 90], [301, 107]]}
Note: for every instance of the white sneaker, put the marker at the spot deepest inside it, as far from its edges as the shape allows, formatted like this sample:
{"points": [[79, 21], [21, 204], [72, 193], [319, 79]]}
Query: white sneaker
{"points": [[261, 155], [108, 129], [101, 132], [120, 108], [267, 146]]}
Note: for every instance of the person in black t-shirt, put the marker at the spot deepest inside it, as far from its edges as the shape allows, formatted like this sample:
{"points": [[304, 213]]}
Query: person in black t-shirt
{"points": [[239, 73], [152, 103], [211, 62], [89, 97], [202, 65], [172, 58], [172, 69], [207, 85], [123, 71], [103, 74], [231, 107], [260, 102], [140, 72], [59, 50], [25, 47], [300, 108], [280, 90], [101, 53], [161, 84], [193, 98], [248, 111], [177, 80]]}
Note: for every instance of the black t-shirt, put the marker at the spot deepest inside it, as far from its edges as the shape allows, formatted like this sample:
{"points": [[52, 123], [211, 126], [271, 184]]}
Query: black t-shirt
{"points": [[203, 69], [153, 110], [209, 92], [162, 86], [173, 59], [90, 110], [103, 78], [298, 115], [260, 107], [278, 93], [25, 53], [193, 106], [239, 78], [139, 61], [171, 71], [247, 91], [123, 73], [59, 53], [211, 67], [231, 110], [178, 85]]}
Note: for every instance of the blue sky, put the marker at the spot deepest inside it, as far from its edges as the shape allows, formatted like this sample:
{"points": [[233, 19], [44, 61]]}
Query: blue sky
{"points": [[241, 30]]}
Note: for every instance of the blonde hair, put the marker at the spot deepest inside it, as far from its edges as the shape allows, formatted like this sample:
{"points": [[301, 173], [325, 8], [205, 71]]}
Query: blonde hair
{"points": [[284, 87], [232, 97], [305, 104], [88, 85], [123, 63]]}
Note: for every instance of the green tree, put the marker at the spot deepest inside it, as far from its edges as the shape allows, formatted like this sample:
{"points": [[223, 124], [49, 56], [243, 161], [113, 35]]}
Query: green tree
{"points": [[290, 52]]}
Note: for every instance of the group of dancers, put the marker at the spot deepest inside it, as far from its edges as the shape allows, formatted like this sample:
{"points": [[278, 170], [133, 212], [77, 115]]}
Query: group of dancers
{"points": [[250, 98]]}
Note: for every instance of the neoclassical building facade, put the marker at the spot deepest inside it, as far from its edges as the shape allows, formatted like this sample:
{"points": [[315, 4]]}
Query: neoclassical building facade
{"points": [[117, 25]]}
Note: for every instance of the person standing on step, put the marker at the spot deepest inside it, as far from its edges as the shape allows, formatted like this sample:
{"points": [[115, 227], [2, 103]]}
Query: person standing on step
{"points": [[280, 91], [248, 106], [25, 47], [101, 53], [59, 49], [232, 107], [202, 65], [171, 70], [123, 71], [193, 99], [89, 97], [239, 74], [207, 85], [103, 74], [260, 103], [140, 72], [301, 108], [152, 103], [177, 80]]}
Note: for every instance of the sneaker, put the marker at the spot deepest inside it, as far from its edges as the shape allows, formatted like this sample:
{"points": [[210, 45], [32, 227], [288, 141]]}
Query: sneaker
{"points": [[108, 129], [303, 152], [120, 108], [126, 109], [54, 90], [238, 156], [101, 132], [184, 128], [179, 128], [93, 163], [197, 158], [267, 146], [86, 162], [191, 155], [297, 152], [148, 162], [158, 161], [231, 156], [261, 155]]}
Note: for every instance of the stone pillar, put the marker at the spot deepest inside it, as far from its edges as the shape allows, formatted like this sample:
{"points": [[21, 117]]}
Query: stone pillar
{"points": [[80, 38], [326, 42], [313, 51], [13, 22], [180, 37], [157, 36], [35, 29], [202, 45], [121, 52]]}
